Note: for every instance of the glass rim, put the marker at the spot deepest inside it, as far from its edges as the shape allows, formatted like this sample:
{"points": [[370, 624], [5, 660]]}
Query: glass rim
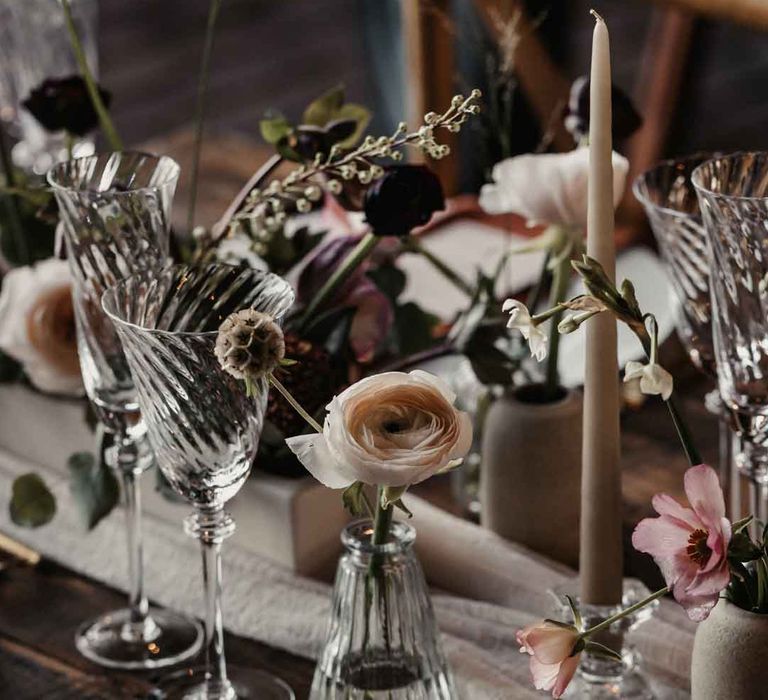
{"points": [[697, 176], [109, 295], [640, 180], [167, 181], [405, 536]]}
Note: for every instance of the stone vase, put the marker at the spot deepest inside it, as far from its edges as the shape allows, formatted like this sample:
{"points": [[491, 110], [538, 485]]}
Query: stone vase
{"points": [[730, 655], [531, 470]]}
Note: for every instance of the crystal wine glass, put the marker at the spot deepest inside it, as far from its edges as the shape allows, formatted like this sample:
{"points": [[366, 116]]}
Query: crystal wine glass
{"points": [[670, 202], [733, 196], [114, 209], [202, 426]]}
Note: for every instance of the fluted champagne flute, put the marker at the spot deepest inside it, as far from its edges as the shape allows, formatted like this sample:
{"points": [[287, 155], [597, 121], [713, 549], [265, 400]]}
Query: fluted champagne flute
{"points": [[114, 210], [733, 196], [203, 427]]}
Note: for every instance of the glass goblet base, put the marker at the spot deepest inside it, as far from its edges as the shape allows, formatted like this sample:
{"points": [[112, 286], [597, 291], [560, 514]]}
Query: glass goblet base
{"points": [[245, 684], [164, 639]]}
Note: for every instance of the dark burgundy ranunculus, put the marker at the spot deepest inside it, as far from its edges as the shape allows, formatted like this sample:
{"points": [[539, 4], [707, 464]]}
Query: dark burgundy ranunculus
{"points": [[405, 197], [625, 118], [64, 104]]}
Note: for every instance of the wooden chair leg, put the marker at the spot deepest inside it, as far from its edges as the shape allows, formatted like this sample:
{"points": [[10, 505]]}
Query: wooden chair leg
{"points": [[429, 79], [667, 51]]}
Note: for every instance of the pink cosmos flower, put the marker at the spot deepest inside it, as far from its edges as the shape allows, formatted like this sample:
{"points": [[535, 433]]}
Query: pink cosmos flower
{"points": [[690, 545], [552, 662]]}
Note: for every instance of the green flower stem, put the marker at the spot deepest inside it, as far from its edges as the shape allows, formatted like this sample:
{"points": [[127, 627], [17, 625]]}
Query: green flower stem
{"points": [[12, 206], [683, 433], [93, 91], [275, 382], [600, 626], [340, 275], [560, 278], [202, 92], [383, 520], [414, 245]]}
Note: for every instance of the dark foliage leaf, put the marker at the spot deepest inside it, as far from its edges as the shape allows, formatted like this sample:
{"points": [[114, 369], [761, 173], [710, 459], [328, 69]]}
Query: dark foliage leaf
{"points": [[389, 279], [32, 503], [413, 328]]}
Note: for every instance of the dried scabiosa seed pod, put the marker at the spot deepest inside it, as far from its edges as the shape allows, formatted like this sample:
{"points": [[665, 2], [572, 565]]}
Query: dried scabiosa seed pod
{"points": [[249, 345]]}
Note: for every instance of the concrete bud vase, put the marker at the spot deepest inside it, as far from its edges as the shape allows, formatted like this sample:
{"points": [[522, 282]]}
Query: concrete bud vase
{"points": [[531, 470], [729, 655]]}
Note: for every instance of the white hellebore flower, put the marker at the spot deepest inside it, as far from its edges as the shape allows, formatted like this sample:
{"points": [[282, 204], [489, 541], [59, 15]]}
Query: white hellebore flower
{"points": [[654, 379], [520, 318], [547, 188], [37, 325], [392, 429]]}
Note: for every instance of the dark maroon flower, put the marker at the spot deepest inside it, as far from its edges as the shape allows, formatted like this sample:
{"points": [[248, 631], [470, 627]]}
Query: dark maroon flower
{"points": [[405, 197], [373, 316], [64, 104], [625, 122]]}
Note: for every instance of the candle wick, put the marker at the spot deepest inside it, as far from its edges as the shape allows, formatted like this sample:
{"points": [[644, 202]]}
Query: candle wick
{"points": [[597, 16]]}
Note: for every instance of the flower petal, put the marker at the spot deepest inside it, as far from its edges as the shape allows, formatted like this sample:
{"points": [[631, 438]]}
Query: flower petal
{"points": [[565, 675], [661, 537], [550, 643], [705, 494], [312, 451]]}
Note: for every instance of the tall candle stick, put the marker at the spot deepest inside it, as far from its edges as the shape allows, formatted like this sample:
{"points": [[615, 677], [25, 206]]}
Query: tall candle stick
{"points": [[601, 540]]}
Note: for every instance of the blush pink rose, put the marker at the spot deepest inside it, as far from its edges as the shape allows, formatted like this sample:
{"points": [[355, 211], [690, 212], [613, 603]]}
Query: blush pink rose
{"points": [[690, 545], [553, 662]]}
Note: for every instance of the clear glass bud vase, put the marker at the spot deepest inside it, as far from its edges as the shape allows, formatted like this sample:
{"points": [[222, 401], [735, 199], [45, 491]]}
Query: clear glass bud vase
{"points": [[383, 641]]}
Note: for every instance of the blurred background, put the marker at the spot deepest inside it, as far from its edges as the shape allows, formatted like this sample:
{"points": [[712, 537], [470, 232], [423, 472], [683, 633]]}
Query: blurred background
{"points": [[280, 55]]}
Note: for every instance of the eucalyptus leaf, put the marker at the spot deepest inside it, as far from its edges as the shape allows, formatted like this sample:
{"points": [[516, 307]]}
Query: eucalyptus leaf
{"points": [[93, 486], [360, 115], [275, 128], [323, 109], [32, 503]]}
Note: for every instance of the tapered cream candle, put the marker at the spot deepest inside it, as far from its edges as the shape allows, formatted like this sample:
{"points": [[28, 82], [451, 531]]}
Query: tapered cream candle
{"points": [[601, 540]]}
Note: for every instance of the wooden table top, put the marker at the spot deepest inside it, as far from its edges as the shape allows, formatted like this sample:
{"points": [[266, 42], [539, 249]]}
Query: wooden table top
{"points": [[41, 609]]}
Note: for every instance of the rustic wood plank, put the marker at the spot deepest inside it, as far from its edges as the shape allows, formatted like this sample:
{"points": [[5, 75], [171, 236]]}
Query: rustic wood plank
{"points": [[41, 609]]}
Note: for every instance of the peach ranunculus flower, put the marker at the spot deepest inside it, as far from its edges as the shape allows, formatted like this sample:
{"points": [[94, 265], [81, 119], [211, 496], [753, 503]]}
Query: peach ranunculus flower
{"points": [[690, 545], [392, 429], [37, 325], [553, 661]]}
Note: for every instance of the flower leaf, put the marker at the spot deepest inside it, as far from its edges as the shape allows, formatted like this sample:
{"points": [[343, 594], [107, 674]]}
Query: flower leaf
{"points": [[274, 128], [93, 486], [360, 115], [741, 548], [401, 506], [321, 110], [739, 525], [353, 499], [389, 279], [32, 503]]}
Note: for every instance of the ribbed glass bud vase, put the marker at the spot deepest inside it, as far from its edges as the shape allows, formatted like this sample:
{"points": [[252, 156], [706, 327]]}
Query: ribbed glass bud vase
{"points": [[383, 641]]}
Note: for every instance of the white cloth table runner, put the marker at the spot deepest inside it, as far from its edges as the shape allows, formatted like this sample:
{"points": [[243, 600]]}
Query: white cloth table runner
{"points": [[495, 588]]}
